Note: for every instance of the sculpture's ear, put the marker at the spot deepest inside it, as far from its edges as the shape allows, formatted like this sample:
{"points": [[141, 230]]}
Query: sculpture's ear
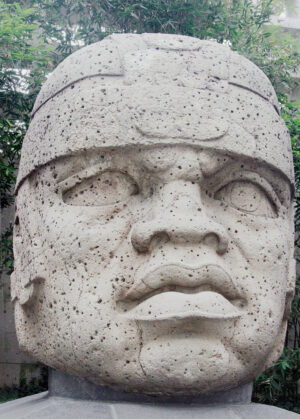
{"points": [[29, 263], [290, 290], [25, 283], [289, 295]]}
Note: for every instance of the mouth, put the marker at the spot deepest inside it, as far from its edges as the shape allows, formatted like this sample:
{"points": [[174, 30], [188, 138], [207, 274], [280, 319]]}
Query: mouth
{"points": [[175, 292]]}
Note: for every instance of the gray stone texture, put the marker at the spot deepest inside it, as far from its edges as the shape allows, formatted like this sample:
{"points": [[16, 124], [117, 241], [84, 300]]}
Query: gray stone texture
{"points": [[64, 385], [42, 406], [74, 398]]}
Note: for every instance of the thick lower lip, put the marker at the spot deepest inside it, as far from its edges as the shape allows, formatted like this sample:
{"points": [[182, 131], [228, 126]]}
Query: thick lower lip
{"points": [[176, 305]]}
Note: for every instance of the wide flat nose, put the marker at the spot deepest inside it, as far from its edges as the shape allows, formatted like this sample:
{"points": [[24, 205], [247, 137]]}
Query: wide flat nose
{"points": [[180, 217]]}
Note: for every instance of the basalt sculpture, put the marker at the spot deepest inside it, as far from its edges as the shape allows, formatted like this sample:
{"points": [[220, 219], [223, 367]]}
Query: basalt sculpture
{"points": [[153, 236]]}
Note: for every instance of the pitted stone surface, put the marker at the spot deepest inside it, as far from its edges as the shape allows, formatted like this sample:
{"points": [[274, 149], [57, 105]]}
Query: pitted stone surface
{"points": [[155, 115], [115, 55], [153, 236], [124, 71]]}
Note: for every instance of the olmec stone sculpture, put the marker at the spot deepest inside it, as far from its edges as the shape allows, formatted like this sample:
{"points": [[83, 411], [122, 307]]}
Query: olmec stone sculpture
{"points": [[154, 221]]}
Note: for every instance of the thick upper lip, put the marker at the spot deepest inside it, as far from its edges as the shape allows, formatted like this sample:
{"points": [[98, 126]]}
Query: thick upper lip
{"points": [[184, 279]]}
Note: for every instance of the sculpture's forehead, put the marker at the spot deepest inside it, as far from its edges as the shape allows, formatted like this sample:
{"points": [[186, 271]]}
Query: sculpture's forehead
{"points": [[95, 115], [176, 160]]}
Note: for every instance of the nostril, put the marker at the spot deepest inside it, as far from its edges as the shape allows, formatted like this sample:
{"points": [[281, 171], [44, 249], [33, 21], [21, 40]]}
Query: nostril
{"points": [[158, 240], [216, 241], [222, 246], [211, 240]]}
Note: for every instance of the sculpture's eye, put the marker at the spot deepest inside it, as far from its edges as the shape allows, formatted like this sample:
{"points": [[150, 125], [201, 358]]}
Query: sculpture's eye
{"points": [[106, 188], [248, 197]]}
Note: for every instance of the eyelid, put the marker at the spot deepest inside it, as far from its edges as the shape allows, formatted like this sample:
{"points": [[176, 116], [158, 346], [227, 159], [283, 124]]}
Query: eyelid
{"points": [[255, 178], [78, 177], [97, 169]]}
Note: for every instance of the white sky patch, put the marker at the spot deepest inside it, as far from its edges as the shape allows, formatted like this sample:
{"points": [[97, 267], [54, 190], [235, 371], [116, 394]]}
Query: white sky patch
{"points": [[227, 43], [21, 74], [290, 16]]}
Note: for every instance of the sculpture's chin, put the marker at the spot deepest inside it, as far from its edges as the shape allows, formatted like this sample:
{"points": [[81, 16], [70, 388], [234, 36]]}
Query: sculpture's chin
{"points": [[178, 366], [196, 365]]}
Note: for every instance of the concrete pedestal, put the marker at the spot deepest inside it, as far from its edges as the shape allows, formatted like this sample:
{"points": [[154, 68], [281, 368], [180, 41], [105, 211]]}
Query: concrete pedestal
{"points": [[73, 398]]}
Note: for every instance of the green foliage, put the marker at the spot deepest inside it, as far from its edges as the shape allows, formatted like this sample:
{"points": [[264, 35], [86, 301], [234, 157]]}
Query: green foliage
{"points": [[16, 55], [7, 259], [34, 386], [278, 385], [16, 32], [277, 55], [88, 21], [66, 25], [291, 114], [11, 136]]}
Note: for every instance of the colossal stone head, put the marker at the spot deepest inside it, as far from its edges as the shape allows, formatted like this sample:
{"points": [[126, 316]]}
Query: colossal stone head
{"points": [[154, 221]]}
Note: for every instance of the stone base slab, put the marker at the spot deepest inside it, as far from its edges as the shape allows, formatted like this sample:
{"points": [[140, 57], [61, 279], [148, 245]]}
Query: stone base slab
{"points": [[43, 406]]}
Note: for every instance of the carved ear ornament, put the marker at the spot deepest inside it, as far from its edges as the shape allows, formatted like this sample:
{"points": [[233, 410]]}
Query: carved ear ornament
{"points": [[25, 284], [290, 292]]}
